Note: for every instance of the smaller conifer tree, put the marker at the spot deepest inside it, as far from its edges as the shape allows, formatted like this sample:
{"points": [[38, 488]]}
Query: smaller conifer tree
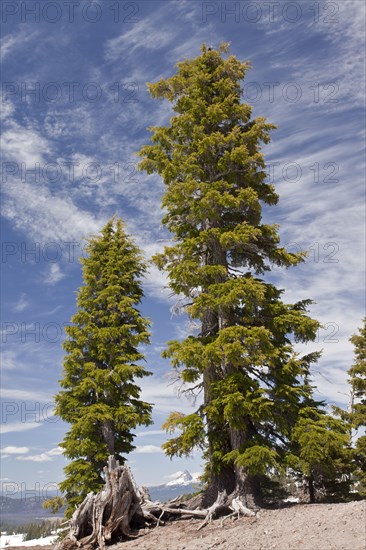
{"points": [[321, 454], [357, 414], [357, 379], [100, 398]]}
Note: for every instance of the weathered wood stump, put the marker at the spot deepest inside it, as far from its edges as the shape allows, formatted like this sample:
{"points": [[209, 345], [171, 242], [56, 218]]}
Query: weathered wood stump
{"points": [[121, 508], [109, 513]]}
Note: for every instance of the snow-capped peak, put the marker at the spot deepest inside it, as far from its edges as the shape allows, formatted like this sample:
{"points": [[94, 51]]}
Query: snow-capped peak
{"points": [[181, 478]]}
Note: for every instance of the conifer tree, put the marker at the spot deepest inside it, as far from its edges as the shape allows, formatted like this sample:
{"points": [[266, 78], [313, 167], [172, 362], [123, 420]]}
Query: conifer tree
{"points": [[100, 398], [242, 358], [357, 379], [321, 454], [357, 413]]}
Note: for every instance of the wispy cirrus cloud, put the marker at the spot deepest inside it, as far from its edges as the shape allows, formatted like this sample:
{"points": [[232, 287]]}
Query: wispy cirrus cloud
{"points": [[8, 358], [145, 34], [14, 427], [12, 42], [48, 217], [22, 304], [25, 395], [24, 144]]}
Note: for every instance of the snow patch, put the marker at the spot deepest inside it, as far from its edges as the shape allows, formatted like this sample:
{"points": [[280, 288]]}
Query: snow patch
{"points": [[17, 540]]}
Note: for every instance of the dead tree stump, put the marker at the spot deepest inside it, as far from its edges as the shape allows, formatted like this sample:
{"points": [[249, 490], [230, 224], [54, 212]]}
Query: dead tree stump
{"points": [[121, 507], [109, 513]]}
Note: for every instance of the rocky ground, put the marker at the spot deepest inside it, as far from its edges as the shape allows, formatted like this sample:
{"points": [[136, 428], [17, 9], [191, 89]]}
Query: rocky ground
{"points": [[299, 527]]}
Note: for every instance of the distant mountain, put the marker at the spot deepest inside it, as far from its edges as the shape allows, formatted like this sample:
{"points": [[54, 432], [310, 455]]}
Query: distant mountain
{"points": [[17, 511], [181, 479], [182, 483]]}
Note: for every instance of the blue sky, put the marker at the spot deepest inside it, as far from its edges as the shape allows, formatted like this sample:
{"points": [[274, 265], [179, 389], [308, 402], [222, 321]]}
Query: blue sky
{"points": [[75, 109]]}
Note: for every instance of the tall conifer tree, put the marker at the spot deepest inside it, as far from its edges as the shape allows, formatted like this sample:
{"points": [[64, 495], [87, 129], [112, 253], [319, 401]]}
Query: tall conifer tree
{"points": [[100, 397], [253, 382]]}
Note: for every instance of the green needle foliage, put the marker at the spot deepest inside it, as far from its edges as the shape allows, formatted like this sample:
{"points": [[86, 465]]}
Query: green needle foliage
{"points": [[323, 456], [357, 379], [100, 398], [242, 358], [330, 456], [357, 415]]}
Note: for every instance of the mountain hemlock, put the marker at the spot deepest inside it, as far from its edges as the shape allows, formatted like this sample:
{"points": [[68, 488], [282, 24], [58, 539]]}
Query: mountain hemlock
{"points": [[242, 358], [100, 398], [357, 414], [357, 379], [321, 454]]}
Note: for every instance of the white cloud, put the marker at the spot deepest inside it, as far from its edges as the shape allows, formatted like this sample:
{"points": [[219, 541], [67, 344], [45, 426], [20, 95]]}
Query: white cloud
{"points": [[8, 359], [13, 427], [344, 32], [55, 275], [144, 34], [41, 212], [22, 303], [25, 395], [147, 449], [7, 108], [46, 217], [22, 144], [42, 457], [14, 41], [55, 452], [12, 450], [165, 395], [347, 38], [308, 213], [149, 432]]}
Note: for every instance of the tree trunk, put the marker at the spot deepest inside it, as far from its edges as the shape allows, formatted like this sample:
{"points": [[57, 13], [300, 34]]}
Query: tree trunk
{"points": [[246, 485], [232, 479], [224, 480], [108, 436], [311, 489]]}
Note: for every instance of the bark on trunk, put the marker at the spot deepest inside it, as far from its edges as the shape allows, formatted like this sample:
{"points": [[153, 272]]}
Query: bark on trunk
{"points": [[225, 479], [232, 479], [246, 486], [108, 436], [311, 489]]}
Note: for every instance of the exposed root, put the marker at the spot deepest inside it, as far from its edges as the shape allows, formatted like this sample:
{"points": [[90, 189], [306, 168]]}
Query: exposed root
{"points": [[238, 509], [217, 506], [238, 506]]}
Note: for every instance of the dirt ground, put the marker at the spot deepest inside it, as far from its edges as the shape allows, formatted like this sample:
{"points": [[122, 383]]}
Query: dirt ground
{"points": [[300, 527]]}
